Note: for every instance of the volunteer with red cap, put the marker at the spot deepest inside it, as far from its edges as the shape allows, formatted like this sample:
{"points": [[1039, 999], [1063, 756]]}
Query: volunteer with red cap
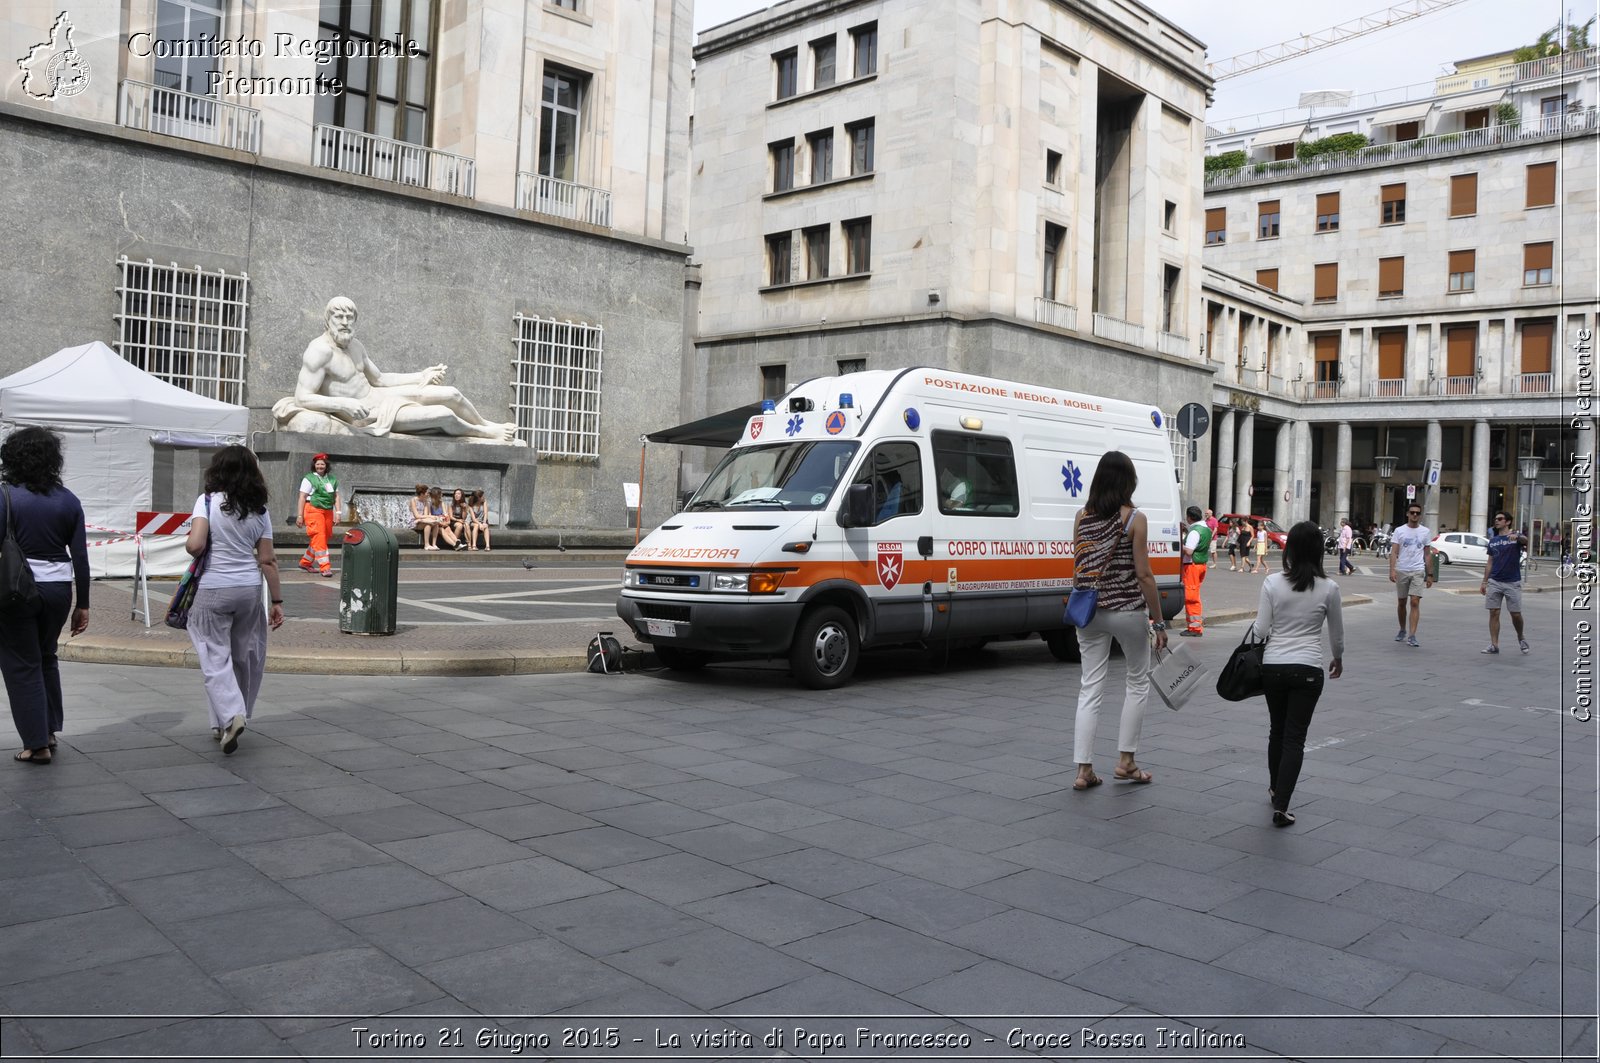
{"points": [[319, 500]]}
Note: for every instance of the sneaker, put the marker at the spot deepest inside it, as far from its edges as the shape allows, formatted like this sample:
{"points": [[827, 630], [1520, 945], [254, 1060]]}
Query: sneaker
{"points": [[1490, 649], [216, 734], [1190, 633], [1402, 636], [230, 735], [1412, 641], [1522, 644]]}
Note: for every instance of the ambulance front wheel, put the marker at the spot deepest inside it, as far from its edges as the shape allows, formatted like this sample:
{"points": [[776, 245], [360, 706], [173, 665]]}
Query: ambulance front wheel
{"points": [[826, 648], [681, 660], [1063, 644]]}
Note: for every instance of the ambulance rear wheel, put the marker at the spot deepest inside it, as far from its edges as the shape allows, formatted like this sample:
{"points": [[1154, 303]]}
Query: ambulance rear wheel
{"points": [[826, 648], [681, 660], [1063, 645]]}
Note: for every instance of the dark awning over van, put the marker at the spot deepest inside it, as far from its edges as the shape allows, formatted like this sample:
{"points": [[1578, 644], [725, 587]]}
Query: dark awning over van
{"points": [[718, 430]]}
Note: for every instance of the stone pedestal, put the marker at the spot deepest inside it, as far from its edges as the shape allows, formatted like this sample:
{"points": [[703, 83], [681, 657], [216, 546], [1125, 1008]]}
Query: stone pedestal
{"points": [[381, 473]]}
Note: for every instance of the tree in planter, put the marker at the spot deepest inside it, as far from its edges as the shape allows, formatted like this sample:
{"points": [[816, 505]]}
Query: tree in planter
{"points": [[1339, 142], [1508, 114], [1225, 162]]}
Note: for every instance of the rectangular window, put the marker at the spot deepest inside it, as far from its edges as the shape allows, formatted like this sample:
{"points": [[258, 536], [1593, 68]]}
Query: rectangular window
{"points": [[858, 245], [556, 389], [785, 66], [1325, 283], [180, 23], [865, 41], [561, 122], [1541, 184], [185, 326], [1052, 168], [852, 365], [1267, 219], [1404, 131], [1325, 349], [388, 96], [1537, 264], [780, 248], [1391, 354], [1463, 195], [1169, 217], [1216, 225], [1552, 106], [822, 62], [821, 145], [1478, 119], [1391, 276], [1170, 294], [861, 138], [1055, 238], [816, 252], [782, 155], [1327, 212], [894, 472], [1538, 346], [1463, 271], [774, 381], [976, 475], [1267, 278], [1394, 204], [1461, 351]]}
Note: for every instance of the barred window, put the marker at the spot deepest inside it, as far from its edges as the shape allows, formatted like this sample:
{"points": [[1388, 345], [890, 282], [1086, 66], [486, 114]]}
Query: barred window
{"points": [[556, 391], [186, 326]]}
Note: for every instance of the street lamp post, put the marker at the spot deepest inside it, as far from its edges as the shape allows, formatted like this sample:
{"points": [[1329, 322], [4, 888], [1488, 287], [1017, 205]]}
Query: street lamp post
{"points": [[1528, 469]]}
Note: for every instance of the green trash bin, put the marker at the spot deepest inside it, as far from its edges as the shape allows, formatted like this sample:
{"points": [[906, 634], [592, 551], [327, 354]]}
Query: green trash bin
{"points": [[369, 580]]}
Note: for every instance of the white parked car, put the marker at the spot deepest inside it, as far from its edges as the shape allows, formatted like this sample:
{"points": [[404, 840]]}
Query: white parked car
{"points": [[1461, 547]]}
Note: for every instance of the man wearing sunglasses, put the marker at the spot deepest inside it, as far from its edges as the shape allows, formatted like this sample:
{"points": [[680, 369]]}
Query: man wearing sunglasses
{"points": [[1410, 570], [1502, 580]]}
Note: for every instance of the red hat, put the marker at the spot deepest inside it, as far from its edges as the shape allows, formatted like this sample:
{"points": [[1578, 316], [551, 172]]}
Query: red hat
{"points": [[319, 457]]}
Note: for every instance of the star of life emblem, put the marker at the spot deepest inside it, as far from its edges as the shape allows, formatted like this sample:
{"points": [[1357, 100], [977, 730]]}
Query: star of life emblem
{"points": [[891, 565]]}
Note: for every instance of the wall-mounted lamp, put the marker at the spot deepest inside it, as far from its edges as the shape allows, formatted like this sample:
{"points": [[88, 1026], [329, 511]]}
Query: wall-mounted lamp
{"points": [[1385, 464], [1300, 373]]}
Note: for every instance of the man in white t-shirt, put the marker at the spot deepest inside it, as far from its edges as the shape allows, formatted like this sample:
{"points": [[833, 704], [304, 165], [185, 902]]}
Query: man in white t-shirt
{"points": [[1410, 570]]}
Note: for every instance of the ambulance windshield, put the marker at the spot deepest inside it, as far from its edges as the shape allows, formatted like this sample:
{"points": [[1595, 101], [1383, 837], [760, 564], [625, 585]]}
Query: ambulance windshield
{"points": [[782, 475]]}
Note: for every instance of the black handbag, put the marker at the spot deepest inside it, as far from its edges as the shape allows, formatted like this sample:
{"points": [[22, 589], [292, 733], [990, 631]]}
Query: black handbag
{"points": [[189, 583], [1241, 676], [19, 594]]}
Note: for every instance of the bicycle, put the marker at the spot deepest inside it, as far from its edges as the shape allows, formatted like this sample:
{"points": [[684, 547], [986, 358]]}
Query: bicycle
{"points": [[1585, 571]]}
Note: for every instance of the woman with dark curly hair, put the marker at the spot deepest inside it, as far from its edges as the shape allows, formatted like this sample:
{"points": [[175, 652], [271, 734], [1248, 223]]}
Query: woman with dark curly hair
{"points": [[226, 626], [48, 522]]}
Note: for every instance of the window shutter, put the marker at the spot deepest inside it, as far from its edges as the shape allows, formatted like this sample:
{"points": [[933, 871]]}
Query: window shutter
{"points": [[1538, 342], [1394, 193], [1542, 184], [1461, 351], [1327, 203], [1216, 219], [1391, 275], [1326, 285], [1267, 278], [1537, 256], [1463, 195], [1326, 347], [1267, 206], [1463, 261], [1391, 354]]}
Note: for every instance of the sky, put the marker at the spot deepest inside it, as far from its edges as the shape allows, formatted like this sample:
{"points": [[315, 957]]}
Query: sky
{"points": [[1413, 52]]}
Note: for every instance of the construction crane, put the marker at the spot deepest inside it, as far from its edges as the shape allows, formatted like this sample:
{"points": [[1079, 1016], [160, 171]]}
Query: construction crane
{"points": [[1246, 62]]}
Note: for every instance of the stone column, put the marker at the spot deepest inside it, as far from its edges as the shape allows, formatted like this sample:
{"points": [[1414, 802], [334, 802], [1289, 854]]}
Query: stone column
{"points": [[1339, 504], [1222, 483], [1245, 464], [1430, 496], [1300, 473], [1480, 478], [1281, 451]]}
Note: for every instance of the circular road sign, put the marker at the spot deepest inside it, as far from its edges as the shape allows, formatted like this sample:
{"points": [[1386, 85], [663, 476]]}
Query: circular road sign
{"points": [[1193, 420]]}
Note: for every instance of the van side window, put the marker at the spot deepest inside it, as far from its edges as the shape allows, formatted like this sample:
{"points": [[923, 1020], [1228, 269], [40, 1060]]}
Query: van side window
{"points": [[976, 475], [895, 472]]}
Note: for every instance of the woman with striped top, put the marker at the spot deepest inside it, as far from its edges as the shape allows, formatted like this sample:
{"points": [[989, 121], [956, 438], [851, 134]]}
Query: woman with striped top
{"points": [[1110, 540]]}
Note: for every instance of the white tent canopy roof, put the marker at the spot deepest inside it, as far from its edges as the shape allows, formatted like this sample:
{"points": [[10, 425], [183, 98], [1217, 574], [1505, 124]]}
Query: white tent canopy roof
{"points": [[92, 385]]}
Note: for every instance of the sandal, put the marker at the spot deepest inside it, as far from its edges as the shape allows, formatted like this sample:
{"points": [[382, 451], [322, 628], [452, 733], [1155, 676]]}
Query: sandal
{"points": [[1083, 782], [1282, 819], [1135, 775], [33, 756]]}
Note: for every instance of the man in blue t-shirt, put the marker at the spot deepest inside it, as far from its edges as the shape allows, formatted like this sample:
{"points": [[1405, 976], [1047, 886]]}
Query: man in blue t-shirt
{"points": [[1502, 580]]}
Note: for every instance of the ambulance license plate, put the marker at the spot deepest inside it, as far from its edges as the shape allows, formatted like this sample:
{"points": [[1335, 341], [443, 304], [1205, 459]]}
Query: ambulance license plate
{"points": [[666, 628]]}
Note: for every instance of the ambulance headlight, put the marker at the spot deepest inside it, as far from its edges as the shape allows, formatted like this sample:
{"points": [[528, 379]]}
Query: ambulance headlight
{"points": [[747, 582]]}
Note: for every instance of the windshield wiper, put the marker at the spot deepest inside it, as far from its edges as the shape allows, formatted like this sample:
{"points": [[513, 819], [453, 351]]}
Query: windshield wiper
{"points": [[705, 503], [759, 502]]}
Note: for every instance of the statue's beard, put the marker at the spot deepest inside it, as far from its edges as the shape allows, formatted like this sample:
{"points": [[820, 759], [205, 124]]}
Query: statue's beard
{"points": [[342, 336]]}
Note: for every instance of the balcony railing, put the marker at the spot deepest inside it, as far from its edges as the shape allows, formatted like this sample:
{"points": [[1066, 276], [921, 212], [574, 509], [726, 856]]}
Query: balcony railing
{"points": [[1118, 330], [1322, 389], [1438, 145], [1050, 312], [1532, 70], [563, 199], [382, 159], [1172, 343], [193, 117], [1458, 385], [1533, 383], [1388, 389]]}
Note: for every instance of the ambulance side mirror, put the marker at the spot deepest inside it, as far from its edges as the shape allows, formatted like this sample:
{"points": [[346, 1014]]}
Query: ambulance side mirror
{"points": [[857, 509]]}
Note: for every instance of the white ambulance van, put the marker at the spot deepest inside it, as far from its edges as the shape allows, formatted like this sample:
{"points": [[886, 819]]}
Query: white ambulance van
{"points": [[893, 507]]}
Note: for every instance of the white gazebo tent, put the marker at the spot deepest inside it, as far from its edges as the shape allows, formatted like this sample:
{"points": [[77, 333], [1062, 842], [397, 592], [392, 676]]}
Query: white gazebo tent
{"points": [[110, 416]]}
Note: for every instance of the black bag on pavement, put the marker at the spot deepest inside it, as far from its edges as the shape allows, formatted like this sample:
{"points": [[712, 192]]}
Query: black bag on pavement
{"points": [[19, 595], [605, 654], [1241, 676]]}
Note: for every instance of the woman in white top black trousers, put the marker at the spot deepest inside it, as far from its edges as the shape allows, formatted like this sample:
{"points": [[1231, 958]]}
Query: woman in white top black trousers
{"points": [[1294, 606]]}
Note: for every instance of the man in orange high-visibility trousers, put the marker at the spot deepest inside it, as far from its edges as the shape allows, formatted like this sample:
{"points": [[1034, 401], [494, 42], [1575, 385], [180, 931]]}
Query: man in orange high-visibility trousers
{"points": [[1196, 555], [319, 500]]}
